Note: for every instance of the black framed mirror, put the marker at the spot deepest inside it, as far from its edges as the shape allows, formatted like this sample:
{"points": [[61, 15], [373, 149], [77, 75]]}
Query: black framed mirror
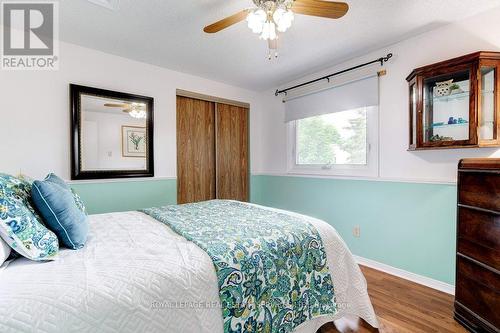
{"points": [[111, 134]]}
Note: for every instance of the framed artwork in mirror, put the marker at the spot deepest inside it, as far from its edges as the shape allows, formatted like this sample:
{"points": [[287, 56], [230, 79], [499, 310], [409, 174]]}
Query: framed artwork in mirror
{"points": [[111, 134], [133, 141]]}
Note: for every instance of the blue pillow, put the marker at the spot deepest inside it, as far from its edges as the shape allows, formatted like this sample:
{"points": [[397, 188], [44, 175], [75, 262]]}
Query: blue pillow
{"points": [[52, 177], [58, 208]]}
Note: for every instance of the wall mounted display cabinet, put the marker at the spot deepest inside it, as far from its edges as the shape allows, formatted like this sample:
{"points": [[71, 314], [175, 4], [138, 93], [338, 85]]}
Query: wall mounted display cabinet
{"points": [[456, 103]]}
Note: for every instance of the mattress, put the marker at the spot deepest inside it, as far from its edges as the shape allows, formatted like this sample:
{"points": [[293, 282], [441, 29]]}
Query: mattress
{"points": [[137, 275]]}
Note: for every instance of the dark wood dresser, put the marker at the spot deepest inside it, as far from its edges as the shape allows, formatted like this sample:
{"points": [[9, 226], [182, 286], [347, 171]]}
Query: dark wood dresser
{"points": [[477, 291]]}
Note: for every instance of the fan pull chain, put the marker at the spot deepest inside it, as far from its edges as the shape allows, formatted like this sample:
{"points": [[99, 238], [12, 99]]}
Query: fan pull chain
{"points": [[270, 55]]}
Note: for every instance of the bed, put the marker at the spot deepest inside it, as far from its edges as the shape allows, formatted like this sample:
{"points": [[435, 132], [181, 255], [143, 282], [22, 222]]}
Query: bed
{"points": [[137, 275]]}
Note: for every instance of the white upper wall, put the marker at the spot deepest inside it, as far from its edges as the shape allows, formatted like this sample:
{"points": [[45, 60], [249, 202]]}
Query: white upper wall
{"points": [[35, 108], [473, 34], [35, 116]]}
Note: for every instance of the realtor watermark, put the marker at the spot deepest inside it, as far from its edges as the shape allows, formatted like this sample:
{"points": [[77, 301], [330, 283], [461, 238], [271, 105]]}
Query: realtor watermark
{"points": [[181, 305], [30, 35]]}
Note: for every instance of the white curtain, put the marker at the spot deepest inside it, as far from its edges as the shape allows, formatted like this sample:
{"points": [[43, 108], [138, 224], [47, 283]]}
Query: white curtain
{"points": [[335, 97]]}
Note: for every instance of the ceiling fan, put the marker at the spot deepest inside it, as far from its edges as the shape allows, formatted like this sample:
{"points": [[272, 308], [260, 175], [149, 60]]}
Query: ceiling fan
{"points": [[135, 110], [271, 17]]}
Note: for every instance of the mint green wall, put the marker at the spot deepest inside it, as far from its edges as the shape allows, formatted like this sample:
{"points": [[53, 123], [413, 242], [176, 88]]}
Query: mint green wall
{"points": [[405, 225], [126, 195]]}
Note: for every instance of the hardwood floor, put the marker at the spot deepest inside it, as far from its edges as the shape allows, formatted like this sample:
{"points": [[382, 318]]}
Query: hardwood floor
{"points": [[406, 307]]}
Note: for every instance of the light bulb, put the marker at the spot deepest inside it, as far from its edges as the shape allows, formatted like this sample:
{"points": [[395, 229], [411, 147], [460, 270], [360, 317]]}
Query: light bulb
{"points": [[137, 111], [269, 31], [272, 31], [283, 19], [265, 32], [256, 20], [139, 114], [278, 15]]}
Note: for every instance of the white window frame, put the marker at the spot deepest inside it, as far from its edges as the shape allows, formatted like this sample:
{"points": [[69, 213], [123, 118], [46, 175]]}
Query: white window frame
{"points": [[368, 170]]}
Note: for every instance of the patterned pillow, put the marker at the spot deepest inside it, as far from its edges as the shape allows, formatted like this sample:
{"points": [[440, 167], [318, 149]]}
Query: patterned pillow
{"points": [[20, 225], [79, 202]]}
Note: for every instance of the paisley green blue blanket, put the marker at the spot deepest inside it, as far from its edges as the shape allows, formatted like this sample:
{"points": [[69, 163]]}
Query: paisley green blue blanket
{"points": [[271, 267]]}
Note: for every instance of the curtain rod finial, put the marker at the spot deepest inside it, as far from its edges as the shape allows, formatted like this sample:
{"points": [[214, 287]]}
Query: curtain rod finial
{"points": [[385, 59], [277, 92]]}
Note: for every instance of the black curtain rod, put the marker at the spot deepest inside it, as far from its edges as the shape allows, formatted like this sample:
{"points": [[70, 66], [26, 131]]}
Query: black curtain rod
{"points": [[382, 60]]}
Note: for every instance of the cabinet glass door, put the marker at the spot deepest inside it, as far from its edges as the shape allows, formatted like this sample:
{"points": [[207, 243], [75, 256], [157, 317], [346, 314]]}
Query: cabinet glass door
{"points": [[413, 114], [446, 108], [487, 99]]}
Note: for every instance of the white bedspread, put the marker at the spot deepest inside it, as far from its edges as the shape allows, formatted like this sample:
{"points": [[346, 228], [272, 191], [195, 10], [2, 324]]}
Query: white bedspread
{"points": [[136, 275]]}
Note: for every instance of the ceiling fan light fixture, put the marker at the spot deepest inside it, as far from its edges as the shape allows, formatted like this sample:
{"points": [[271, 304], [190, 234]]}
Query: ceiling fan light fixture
{"points": [[137, 111], [269, 18]]}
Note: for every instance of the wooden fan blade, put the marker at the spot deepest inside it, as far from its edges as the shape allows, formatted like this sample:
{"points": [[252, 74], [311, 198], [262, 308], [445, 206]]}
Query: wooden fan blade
{"points": [[227, 22], [113, 105], [320, 8]]}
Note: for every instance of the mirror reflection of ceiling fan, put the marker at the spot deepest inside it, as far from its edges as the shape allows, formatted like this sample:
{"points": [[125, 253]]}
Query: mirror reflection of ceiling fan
{"points": [[271, 17], [135, 110]]}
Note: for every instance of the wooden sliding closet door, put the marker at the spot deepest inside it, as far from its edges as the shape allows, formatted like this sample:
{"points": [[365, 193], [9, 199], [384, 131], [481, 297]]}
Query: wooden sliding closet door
{"points": [[232, 152], [195, 150]]}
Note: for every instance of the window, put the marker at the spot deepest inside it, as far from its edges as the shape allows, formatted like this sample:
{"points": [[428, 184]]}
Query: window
{"points": [[333, 128], [338, 143]]}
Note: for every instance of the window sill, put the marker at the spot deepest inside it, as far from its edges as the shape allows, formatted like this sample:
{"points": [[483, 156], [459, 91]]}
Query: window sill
{"points": [[335, 172]]}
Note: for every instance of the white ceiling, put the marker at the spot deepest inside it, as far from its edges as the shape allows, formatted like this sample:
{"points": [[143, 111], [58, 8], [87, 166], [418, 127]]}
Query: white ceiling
{"points": [[169, 34]]}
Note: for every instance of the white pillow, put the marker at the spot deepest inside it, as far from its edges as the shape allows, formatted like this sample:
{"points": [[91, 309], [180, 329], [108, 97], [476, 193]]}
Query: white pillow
{"points": [[4, 251]]}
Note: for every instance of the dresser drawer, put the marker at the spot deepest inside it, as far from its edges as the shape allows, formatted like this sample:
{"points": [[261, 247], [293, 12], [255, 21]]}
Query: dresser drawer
{"points": [[478, 289], [479, 189], [479, 236]]}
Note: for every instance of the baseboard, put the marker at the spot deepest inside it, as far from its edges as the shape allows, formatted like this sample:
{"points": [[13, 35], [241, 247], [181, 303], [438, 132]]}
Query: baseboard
{"points": [[423, 280]]}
